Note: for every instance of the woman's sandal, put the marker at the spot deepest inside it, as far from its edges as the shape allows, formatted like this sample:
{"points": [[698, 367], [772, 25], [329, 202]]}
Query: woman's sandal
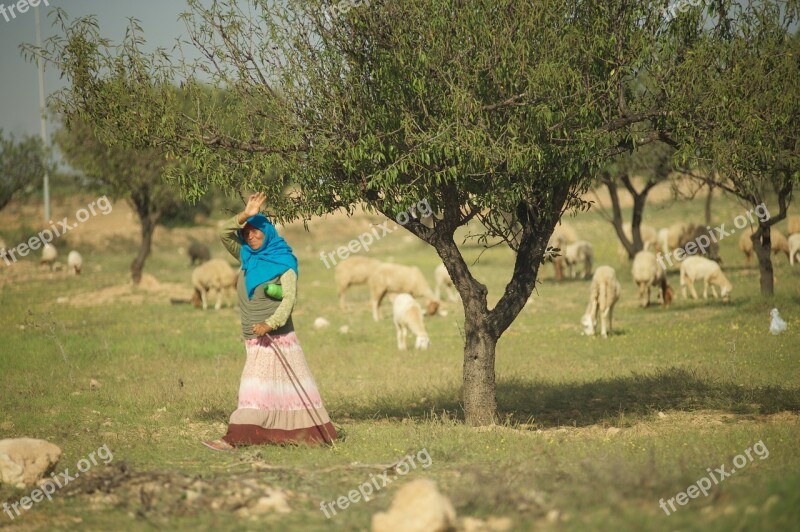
{"points": [[218, 445]]}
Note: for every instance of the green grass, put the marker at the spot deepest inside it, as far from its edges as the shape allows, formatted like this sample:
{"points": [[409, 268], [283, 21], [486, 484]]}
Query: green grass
{"points": [[689, 387]]}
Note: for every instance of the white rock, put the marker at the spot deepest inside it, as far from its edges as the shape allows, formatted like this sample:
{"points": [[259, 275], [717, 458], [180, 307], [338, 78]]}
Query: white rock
{"points": [[417, 507], [321, 323], [23, 461]]}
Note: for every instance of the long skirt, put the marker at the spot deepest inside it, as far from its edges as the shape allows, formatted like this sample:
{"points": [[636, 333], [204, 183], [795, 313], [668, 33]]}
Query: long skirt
{"points": [[278, 399]]}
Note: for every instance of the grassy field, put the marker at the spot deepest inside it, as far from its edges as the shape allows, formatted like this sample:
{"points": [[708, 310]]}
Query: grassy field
{"points": [[595, 432]]}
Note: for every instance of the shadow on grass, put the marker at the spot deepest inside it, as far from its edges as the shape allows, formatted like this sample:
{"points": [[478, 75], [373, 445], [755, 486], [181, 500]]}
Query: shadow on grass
{"points": [[551, 404]]}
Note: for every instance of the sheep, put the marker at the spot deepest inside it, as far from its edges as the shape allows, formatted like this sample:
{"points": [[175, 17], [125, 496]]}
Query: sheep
{"points": [[580, 251], [778, 243], [646, 272], [398, 278], [75, 262], [216, 275], [603, 295], [408, 315], [794, 247], [353, 271], [562, 236], [443, 280], [794, 224], [693, 268], [701, 236], [198, 253], [49, 255], [649, 238]]}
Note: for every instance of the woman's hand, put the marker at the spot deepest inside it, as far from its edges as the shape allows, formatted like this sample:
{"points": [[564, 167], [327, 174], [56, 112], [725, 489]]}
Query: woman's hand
{"points": [[253, 207], [261, 329]]}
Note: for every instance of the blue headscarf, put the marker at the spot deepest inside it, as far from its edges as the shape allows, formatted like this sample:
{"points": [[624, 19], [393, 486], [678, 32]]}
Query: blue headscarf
{"points": [[272, 259]]}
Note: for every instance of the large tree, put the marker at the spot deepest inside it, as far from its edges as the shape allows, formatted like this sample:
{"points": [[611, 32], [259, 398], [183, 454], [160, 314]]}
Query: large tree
{"points": [[22, 164], [738, 109], [501, 110]]}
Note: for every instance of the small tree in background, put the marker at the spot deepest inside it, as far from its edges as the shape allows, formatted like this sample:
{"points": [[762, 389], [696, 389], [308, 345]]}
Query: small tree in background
{"points": [[22, 164]]}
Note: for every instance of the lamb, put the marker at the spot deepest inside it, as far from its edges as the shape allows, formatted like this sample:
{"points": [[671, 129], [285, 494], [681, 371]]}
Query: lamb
{"points": [[794, 247], [198, 253], [778, 243], [646, 273], [75, 262], [794, 224], [580, 251], [49, 255], [693, 268], [353, 271], [603, 295], [398, 278], [443, 280], [216, 275], [408, 315]]}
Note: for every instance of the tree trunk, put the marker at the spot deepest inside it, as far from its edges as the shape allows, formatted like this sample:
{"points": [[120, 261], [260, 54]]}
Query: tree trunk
{"points": [[148, 223], [479, 391], [709, 197], [762, 244]]}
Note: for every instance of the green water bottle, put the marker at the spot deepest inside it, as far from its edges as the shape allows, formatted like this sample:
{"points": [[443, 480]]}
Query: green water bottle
{"points": [[275, 291]]}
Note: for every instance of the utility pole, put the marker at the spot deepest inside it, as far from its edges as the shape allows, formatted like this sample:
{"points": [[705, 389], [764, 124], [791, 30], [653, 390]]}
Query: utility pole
{"points": [[43, 111]]}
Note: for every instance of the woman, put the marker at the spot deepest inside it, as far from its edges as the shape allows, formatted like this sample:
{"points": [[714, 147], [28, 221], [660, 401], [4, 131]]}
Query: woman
{"points": [[278, 399]]}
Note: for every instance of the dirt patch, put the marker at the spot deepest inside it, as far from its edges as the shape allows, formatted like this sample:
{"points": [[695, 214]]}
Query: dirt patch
{"points": [[149, 290]]}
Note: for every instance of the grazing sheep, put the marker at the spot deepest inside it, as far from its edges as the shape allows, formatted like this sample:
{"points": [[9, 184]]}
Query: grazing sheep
{"points": [[408, 315], [198, 253], [75, 262], [216, 275], [662, 240], [443, 280], [649, 238], [562, 236], [353, 271], [778, 243], [794, 224], [693, 268], [603, 295], [794, 248], [646, 272], [49, 255], [579, 252], [397, 279]]}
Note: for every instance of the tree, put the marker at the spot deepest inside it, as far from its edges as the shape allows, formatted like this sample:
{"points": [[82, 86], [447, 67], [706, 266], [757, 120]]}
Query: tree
{"points": [[130, 173], [500, 110], [22, 164], [654, 163], [736, 109]]}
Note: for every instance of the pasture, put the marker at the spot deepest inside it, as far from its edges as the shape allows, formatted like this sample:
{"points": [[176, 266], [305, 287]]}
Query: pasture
{"points": [[595, 432]]}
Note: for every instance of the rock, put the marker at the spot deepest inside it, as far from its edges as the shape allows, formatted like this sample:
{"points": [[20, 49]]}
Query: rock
{"points": [[417, 507], [321, 323], [23, 461], [344, 329]]}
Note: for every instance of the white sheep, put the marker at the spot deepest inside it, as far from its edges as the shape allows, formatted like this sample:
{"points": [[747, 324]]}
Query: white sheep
{"points": [[443, 280], [408, 315], [396, 278], [353, 271], [646, 272], [778, 243], [75, 262], [794, 247], [794, 224], [579, 252], [49, 255], [603, 295], [216, 275], [696, 267]]}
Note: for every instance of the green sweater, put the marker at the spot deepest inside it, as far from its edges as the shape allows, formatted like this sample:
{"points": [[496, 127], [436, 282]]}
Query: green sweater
{"points": [[260, 309]]}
